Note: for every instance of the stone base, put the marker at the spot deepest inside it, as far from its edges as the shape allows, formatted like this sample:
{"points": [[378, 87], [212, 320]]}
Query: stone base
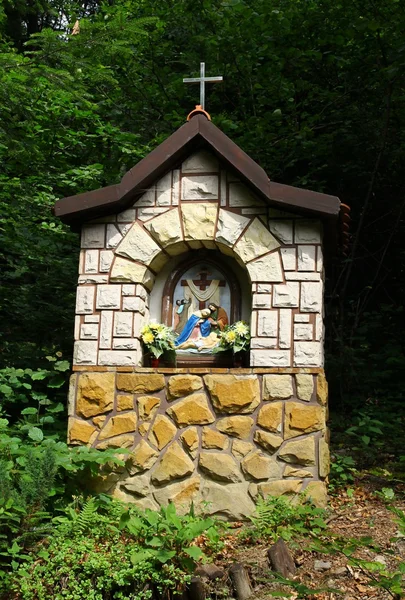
{"points": [[217, 439]]}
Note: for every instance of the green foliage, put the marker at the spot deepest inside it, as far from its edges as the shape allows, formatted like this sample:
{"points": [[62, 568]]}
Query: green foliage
{"points": [[286, 518], [168, 537], [342, 470]]}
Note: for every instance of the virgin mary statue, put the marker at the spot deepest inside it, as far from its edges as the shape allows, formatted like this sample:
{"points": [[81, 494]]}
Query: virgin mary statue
{"points": [[198, 318]]}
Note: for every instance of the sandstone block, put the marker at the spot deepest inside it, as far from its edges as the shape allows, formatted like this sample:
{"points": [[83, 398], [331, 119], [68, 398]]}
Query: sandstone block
{"points": [[268, 441], [182, 493], [95, 394], [294, 472], [143, 457], [267, 323], [284, 329], [200, 162], [118, 358], [266, 268], [270, 358], [183, 385], [227, 500], [307, 232], [306, 258], [199, 220], [138, 246], [241, 448], [256, 240], [230, 226], [126, 271], [118, 425], [140, 383], [311, 296], [166, 228], [239, 427], [286, 295], [200, 187], [316, 491], [80, 432], [283, 230], [193, 410], [305, 386], [85, 353], [300, 418], [233, 394], [162, 432], [98, 421], [277, 387], [174, 464], [85, 299], [147, 406], [190, 440], [277, 488], [139, 485], [120, 441], [93, 236], [213, 439], [106, 258], [125, 402], [143, 428], [108, 297], [308, 354], [289, 258], [270, 417], [322, 389], [324, 458], [219, 466], [301, 452], [258, 466], [72, 395]]}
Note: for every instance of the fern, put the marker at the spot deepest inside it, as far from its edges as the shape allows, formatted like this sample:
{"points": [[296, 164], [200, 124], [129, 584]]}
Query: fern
{"points": [[84, 518]]}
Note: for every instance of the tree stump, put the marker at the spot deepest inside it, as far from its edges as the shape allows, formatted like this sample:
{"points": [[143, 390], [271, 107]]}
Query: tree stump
{"points": [[240, 581], [196, 589], [281, 560]]}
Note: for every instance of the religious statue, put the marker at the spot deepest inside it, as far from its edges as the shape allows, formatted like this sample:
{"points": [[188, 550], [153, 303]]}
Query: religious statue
{"points": [[201, 330], [181, 314]]}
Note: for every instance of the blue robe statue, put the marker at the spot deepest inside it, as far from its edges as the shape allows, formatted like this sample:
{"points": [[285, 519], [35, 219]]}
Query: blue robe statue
{"points": [[205, 328]]}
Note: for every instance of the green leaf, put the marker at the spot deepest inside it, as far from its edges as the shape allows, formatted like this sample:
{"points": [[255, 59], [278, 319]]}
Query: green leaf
{"points": [[36, 434], [164, 556], [138, 557], [29, 411], [194, 552]]}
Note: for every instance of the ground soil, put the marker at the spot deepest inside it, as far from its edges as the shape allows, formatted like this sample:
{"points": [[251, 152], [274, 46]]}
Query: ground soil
{"points": [[354, 514]]}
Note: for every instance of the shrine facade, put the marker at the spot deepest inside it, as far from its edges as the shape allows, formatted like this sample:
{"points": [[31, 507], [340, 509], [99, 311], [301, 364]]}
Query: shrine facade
{"points": [[198, 238]]}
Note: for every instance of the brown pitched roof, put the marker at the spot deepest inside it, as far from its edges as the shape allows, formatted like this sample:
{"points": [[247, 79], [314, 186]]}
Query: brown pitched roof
{"points": [[196, 133]]}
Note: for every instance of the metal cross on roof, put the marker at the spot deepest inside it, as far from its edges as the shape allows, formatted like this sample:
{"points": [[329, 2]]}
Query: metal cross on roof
{"points": [[202, 80]]}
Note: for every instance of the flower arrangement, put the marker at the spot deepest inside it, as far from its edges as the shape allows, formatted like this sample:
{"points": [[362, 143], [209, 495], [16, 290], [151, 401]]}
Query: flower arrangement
{"points": [[157, 338], [235, 337]]}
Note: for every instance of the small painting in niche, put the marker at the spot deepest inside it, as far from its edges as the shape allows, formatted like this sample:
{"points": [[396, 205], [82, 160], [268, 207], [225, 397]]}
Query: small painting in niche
{"points": [[202, 305]]}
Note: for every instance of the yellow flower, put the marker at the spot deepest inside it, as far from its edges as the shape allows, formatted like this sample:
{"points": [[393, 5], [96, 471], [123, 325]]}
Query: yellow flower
{"points": [[148, 338], [154, 325], [145, 329], [230, 336]]}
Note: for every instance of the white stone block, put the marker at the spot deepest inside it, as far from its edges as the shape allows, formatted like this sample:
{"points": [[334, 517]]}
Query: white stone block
{"points": [[77, 327], [138, 245], [285, 328], [93, 236], [261, 301], [117, 358], [133, 304], [126, 216], [127, 271], [319, 328], [301, 276], [303, 332], [240, 195], [259, 342], [311, 296], [81, 261], [164, 190], [108, 296], [308, 354], [289, 258], [267, 323], [266, 268], [124, 228], [199, 221], [141, 292], [147, 199], [306, 258], [319, 259], [254, 211], [92, 279], [230, 227], [145, 214], [106, 258], [85, 299], [139, 322], [301, 318], [253, 323], [128, 289], [85, 353], [126, 344], [176, 187], [223, 188], [123, 324], [286, 295], [89, 331], [270, 358], [264, 288], [200, 187], [256, 240], [91, 261], [114, 236], [200, 162], [307, 232], [106, 328], [166, 228], [92, 318], [283, 230]]}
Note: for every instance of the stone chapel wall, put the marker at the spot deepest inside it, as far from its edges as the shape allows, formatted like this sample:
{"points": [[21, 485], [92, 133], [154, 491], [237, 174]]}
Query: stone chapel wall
{"points": [[218, 435]]}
